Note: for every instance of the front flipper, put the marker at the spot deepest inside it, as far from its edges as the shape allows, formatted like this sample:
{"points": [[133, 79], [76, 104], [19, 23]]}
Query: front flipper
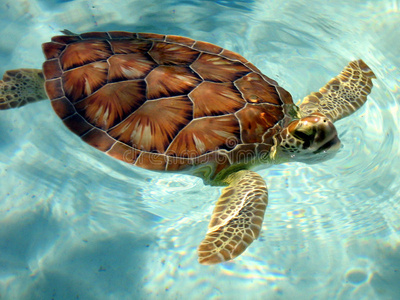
{"points": [[20, 87], [237, 218], [342, 95]]}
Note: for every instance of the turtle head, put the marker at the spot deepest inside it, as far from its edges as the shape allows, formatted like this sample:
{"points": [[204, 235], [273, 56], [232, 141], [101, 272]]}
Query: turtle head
{"points": [[311, 139]]}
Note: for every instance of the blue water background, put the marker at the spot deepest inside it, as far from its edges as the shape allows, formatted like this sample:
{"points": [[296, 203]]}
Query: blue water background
{"points": [[77, 224]]}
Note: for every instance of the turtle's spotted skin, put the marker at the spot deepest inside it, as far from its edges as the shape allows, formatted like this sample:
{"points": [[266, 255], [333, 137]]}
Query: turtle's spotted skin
{"points": [[170, 103], [162, 102], [14, 85]]}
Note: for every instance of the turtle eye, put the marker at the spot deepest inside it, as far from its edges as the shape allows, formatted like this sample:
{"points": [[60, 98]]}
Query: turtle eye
{"points": [[303, 137]]}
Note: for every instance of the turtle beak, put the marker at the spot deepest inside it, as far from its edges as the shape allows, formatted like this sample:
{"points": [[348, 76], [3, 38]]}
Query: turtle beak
{"points": [[332, 145]]}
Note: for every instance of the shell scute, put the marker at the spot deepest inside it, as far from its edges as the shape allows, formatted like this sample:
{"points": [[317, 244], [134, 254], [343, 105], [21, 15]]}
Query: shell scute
{"points": [[124, 152], [213, 99], [98, 139], [81, 82], [254, 90], [54, 88], [216, 68], [172, 54], [207, 47], [180, 40], [284, 95], [153, 126], [130, 46], [255, 120], [112, 103], [121, 35], [63, 107], [206, 135], [252, 67], [52, 50], [233, 55], [151, 161], [151, 36], [77, 124], [52, 69], [66, 39], [84, 52], [129, 66], [168, 81], [94, 35]]}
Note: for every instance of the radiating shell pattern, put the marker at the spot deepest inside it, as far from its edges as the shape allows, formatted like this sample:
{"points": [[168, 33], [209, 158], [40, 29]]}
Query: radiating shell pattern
{"points": [[162, 102]]}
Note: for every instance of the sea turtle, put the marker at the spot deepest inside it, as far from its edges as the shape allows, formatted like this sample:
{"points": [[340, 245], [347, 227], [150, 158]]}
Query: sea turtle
{"points": [[170, 103]]}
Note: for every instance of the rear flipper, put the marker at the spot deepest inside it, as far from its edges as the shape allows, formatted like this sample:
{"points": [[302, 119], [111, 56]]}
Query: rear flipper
{"points": [[20, 87], [237, 218], [342, 95]]}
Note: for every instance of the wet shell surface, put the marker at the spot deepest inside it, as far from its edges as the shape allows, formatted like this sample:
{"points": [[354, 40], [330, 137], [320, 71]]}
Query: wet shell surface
{"points": [[162, 102]]}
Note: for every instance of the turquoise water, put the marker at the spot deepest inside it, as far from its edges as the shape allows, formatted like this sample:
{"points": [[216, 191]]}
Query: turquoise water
{"points": [[76, 224]]}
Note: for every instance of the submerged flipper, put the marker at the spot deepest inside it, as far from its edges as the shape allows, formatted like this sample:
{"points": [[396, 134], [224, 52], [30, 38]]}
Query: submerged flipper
{"points": [[342, 95], [237, 218], [20, 87]]}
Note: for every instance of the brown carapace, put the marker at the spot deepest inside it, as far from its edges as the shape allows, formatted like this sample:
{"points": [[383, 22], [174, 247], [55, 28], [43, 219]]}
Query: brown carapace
{"points": [[161, 102]]}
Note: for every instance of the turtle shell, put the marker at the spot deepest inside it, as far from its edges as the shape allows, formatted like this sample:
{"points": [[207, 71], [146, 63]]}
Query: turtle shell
{"points": [[162, 102]]}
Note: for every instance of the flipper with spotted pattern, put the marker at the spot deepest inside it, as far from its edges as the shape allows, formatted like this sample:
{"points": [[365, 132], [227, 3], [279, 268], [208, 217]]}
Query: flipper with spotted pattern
{"points": [[342, 95], [237, 218], [20, 87]]}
